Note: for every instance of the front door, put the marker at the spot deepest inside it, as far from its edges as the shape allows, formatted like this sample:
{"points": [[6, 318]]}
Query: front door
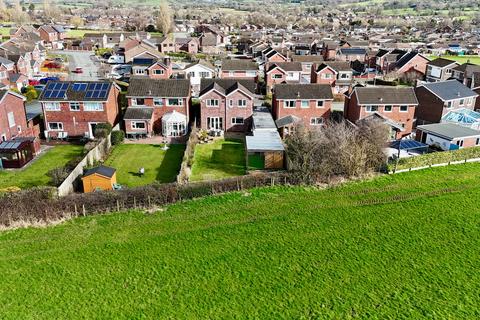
{"points": [[92, 126], [215, 123]]}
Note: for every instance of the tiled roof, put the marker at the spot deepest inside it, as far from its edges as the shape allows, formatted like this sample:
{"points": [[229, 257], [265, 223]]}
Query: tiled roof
{"points": [[449, 90], [441, 62], [335, 65], [386, 95], [286, 66], [303, 91], [138, 113], [74, 95], [238, 65], [170, 88], [225, 86], [299, 58]]}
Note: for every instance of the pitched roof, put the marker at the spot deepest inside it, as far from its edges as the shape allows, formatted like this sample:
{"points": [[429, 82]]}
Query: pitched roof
{"points": [[385, 96], [202, 62], [335, 65], [287, 120], [449, 130], [449, 90], [238, 65], [138, 113], [100, 170], [355, 51], [303, 91], [298, 58], [441, 62], [225, 85], [170, 88], [64, 91], [286, 66]]}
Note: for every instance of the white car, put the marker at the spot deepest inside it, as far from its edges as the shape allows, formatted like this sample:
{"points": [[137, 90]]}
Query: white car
{"points": [[115, 59]]}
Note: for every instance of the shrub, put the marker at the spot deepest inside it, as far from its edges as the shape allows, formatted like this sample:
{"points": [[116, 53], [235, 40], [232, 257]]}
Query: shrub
{"points": [[117, 137], [102, 130], [58, 175]]}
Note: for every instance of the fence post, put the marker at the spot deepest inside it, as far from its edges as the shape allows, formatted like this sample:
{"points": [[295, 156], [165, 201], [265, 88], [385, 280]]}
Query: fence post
{"points": [[83, 209], [149, 202], [134, 202], [118, 206], [75, 206]]}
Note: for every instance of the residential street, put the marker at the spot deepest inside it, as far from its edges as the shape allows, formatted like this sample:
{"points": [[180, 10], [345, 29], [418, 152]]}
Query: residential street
{"points": [[85, 60]]}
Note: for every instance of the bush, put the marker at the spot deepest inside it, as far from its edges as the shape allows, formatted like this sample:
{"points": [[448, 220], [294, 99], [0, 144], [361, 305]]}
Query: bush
{"points": [[58, 175], [117, 137], [102, 130]]}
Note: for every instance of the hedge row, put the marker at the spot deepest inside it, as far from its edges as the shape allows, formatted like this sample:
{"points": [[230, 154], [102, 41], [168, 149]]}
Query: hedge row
{"points": [[42, 204], [436, 158]]}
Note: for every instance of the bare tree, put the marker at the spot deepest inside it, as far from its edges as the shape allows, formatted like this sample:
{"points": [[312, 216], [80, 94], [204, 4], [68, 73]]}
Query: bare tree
{"points": [[18, 15], [165, 18], [51, 12], [4, 13]]}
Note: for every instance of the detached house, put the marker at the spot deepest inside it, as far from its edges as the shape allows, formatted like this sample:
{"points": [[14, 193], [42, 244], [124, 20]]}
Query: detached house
{"points": [[436, 99], [440, 69], [152, 68], [337, 74], [245, 69], [13, 120], [73, 109], [157, 106], [351, 54], [309, 104], [394, 106], [52, 35], [468, 74], [197, 71], [226, 104], [282, 72]]}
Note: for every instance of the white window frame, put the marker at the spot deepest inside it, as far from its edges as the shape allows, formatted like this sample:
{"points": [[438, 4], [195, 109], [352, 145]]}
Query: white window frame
{"points": [[93, 107], [449, 104], [317, 121], [235, 121], [74, 104], [52, 106], [242, 103], [385, 108], [403, 106], [135, 102], [204, 74], [327, 76], [305, 107], [158, 72], [212, 103], [11, 119], [180, 102], [321, 102], [462, 102], [286, 104], [158, 102], [135, 123], [251, 74], [59, 126], [277, 76], [370, 109]]}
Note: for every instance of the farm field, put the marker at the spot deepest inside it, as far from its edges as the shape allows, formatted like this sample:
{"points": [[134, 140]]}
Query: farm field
{"points": [[35, 173], [219, 159], [460, 59], [160, 165], [396, 247]]}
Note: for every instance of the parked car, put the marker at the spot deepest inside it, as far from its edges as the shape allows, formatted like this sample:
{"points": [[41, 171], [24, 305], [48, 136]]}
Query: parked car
{"points": [[78, 70], [116, 59], [45, 80]]}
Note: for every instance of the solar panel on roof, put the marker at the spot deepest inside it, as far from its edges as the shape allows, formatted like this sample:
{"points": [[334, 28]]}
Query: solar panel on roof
{"points": [[47, 94], [65, 86], [89, 94], [79, 86]]}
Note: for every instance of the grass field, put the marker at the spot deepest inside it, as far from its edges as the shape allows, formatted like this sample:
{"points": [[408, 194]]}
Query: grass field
{"points": [[460, 59], [79, 33], [35, 174], [398, 247], [217, 160], [160, 165]]}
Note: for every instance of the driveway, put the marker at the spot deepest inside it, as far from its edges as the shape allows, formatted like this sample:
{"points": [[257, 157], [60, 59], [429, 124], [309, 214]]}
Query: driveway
{"points": [[80, 59]]}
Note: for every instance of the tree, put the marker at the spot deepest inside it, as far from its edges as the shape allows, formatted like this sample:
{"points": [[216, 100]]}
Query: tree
{"points": [[76, 21], [4, 12], [51, 12], [18, 15], [164, 18]]}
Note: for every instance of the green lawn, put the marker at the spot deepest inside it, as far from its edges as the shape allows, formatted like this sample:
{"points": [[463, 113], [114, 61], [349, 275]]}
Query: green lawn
{"points": [[79, 33], [35, 174], [159, 165], [397, 247], [217, 160], [460, 59]]}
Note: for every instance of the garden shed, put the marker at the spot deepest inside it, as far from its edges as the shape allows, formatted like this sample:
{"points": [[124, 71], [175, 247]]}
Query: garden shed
{"points": [[99, 178]]}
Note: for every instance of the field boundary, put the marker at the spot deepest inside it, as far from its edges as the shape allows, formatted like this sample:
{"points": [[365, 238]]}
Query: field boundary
{"points": [[435, 165]]}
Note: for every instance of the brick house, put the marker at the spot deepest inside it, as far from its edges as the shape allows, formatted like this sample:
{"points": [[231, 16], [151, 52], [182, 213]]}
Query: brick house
{"points": [[329, 49], [437, 98], [152, 68], [74, 109], [188, 45], [13, 120], [448, 136], [157, 106], [52, 35], [309, 104], [395, 106], [7, 67], [307, 62], [351, 54], [440, 69], [226, 104], [468, 74], [282, 72], [337, 74], [272, 55], [245, 69]]}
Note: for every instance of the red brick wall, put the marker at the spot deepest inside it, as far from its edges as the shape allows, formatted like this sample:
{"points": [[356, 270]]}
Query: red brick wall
{"points": [[13, 104], [277, 58], [270, 81], [317, 77], [225, 111], [418, 63], [148, 127], [304, 113], [167, 72]]}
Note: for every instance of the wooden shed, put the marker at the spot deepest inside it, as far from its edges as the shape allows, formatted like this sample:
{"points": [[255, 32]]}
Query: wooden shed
{"points": [[99, 178]]}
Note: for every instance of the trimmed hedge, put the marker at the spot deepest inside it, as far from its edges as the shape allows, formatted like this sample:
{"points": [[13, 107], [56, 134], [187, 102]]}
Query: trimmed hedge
{"points": [[436, 158], [42, 204]]}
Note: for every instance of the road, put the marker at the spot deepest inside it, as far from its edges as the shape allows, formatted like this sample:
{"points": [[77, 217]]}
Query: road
{"points": [[80, 59]]}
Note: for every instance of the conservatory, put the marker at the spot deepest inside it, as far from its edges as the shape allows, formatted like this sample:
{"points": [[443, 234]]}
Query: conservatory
{"points": [[174, 124]]}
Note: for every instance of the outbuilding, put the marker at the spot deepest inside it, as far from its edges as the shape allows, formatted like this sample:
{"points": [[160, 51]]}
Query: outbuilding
{"points": [[99, 178]]}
